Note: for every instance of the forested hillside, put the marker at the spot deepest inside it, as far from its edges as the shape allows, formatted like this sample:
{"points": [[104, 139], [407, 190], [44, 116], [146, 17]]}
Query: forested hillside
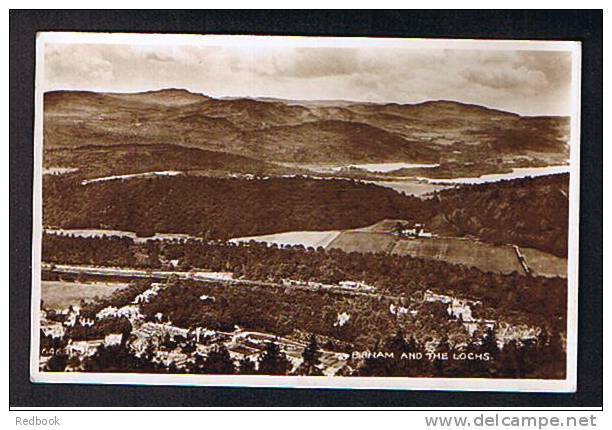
{"points": [[222, 208], [528, 212]]}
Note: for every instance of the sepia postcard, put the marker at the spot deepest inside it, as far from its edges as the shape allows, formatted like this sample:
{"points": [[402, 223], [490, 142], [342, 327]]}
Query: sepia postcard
{"points": [[306, 212]]}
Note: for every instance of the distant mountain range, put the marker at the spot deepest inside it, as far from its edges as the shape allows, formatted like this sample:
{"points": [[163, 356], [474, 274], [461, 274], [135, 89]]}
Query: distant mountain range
{"points": [[302, 132]]}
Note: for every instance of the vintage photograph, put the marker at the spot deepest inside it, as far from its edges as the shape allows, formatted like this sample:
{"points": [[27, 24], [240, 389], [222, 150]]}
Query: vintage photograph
{"points": [[306, 212]]}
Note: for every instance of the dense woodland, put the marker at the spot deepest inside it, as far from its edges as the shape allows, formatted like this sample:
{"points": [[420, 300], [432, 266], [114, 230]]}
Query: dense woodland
{"points": [[222, 208], [104, 160], [526, 212], [529, 212]]}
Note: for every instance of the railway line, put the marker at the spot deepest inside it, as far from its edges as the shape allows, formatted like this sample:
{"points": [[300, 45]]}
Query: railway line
{"points": [[202, 276]]}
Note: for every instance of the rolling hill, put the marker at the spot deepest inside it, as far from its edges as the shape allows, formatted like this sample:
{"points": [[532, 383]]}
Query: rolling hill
{"points": [[277, 130]]}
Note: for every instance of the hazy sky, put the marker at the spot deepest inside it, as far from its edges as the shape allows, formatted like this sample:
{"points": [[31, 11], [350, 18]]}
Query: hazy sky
{"points": [[527, 82]]}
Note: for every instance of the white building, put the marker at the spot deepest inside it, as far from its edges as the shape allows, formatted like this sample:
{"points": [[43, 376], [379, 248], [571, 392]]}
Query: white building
{"points": [[342, 319], [131, 312], [356, 285], [147, 295], [83, 348], [113, 339]]}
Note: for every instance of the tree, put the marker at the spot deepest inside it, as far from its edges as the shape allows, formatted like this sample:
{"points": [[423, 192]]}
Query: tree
{"points": [[550, 348], [373, 365], [400, 365], [512, 361], [119, 358], [556, 354], [246, 367], [488, 353], [57, 362], [489, 343], [440, 366], [311, 353], [397, 343], [50, 344], [218, 362], [189, 347], [173, 369], [273, 361], [310, 359], [168, 342]]}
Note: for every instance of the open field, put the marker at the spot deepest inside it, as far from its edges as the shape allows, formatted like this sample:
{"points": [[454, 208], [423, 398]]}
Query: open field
{"points": [[97, 232], [384, 226], [60, 294], [305, 238], [377, 238], [485, 256], [544, 264], [360, 241]]}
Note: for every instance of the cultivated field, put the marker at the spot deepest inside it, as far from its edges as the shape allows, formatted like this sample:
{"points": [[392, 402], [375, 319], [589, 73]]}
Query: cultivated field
{"points": [[364, 242], [487, 257], [305, 238], [377, 238], [60, 294], [384, 226], [544, 264]]}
